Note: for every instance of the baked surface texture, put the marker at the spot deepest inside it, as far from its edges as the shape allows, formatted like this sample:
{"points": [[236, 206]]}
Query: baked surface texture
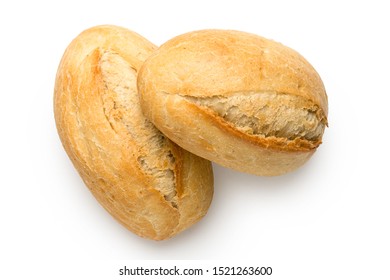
{"points": [[240, 100], [145, 181]]}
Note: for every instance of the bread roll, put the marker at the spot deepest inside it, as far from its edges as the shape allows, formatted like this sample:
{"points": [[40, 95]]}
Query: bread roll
{"points": [[145, 181], [237, 99]]}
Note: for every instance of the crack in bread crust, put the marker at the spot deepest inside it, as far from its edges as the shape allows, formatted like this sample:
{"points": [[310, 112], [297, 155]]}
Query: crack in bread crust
{"points": [[267, 114], [121, 107]]}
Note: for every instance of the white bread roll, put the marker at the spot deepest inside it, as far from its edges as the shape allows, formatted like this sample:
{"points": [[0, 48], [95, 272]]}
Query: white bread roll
{"points": [[145, 181], [237, 99]]}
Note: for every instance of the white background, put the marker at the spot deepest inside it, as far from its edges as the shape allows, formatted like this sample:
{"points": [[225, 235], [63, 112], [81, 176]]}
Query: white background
{"points": [[328, 220]]}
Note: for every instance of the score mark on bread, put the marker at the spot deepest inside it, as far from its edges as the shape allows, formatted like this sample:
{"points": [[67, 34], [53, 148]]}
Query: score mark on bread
{"points": [[269, 114], [123, 112]]}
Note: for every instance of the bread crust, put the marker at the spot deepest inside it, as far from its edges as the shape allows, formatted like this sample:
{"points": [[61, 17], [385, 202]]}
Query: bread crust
{"points": [[193, 82], [145, 181]]}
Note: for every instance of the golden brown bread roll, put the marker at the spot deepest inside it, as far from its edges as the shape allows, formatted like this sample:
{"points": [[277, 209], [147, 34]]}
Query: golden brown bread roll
{"points": [[145, 181], [235, 98]]}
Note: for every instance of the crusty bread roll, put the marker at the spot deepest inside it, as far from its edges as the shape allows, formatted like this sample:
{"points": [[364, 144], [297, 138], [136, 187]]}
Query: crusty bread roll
{"points": [[149, 184], [235, 98]]}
